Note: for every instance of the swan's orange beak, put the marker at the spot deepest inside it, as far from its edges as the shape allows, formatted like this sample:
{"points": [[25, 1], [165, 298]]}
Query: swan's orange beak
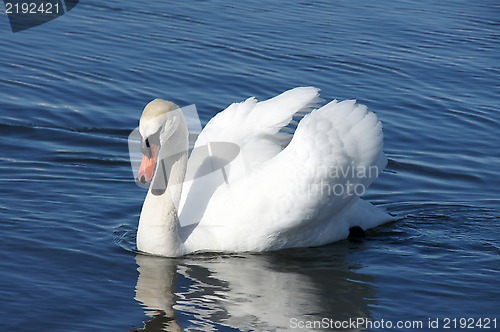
{"points": [[147, 169]]}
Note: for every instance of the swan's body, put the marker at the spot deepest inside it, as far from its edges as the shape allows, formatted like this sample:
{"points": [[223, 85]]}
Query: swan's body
{"points": [[280, 191]]}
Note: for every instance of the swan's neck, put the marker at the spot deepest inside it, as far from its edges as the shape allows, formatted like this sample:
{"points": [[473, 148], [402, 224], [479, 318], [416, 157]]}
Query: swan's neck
{"points": [[159, 224]]}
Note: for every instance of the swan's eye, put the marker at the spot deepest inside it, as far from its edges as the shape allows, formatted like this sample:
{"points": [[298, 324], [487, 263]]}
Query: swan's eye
{"points": [[147, 142], [146, 148]]}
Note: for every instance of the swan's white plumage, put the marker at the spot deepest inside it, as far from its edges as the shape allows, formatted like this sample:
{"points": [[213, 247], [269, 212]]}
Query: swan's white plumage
{"points": [[275, 193], [255, 126]]}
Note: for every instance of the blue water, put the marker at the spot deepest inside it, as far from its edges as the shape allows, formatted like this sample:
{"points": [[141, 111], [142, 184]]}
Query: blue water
{"points": [[72, 90]]}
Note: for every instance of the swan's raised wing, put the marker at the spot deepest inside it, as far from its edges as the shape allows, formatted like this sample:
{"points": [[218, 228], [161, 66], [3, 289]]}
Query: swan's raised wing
{"points": [[251, 120], [337, 153], [300, 197], [244, 135]]}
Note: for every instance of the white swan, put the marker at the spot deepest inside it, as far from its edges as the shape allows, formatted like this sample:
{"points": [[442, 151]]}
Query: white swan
{"points": [[259, 186]]}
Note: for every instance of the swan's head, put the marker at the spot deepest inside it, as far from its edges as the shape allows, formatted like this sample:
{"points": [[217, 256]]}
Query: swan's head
{"points": [[156, 125]]}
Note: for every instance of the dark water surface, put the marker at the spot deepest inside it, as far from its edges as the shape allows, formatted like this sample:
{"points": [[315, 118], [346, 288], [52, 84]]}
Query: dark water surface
{"points": [[72, 90]]}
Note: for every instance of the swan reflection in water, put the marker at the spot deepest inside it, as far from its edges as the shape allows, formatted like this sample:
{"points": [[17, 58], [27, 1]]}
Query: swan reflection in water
{"points": [[260, 292]]}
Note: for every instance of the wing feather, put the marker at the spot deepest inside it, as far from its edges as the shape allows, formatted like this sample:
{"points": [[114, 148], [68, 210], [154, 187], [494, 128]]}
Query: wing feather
{"points": [[294, 195]]}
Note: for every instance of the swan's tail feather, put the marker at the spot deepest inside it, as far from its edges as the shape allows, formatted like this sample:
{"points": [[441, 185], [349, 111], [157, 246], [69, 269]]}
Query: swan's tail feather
{"points": [[366, 215]]}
